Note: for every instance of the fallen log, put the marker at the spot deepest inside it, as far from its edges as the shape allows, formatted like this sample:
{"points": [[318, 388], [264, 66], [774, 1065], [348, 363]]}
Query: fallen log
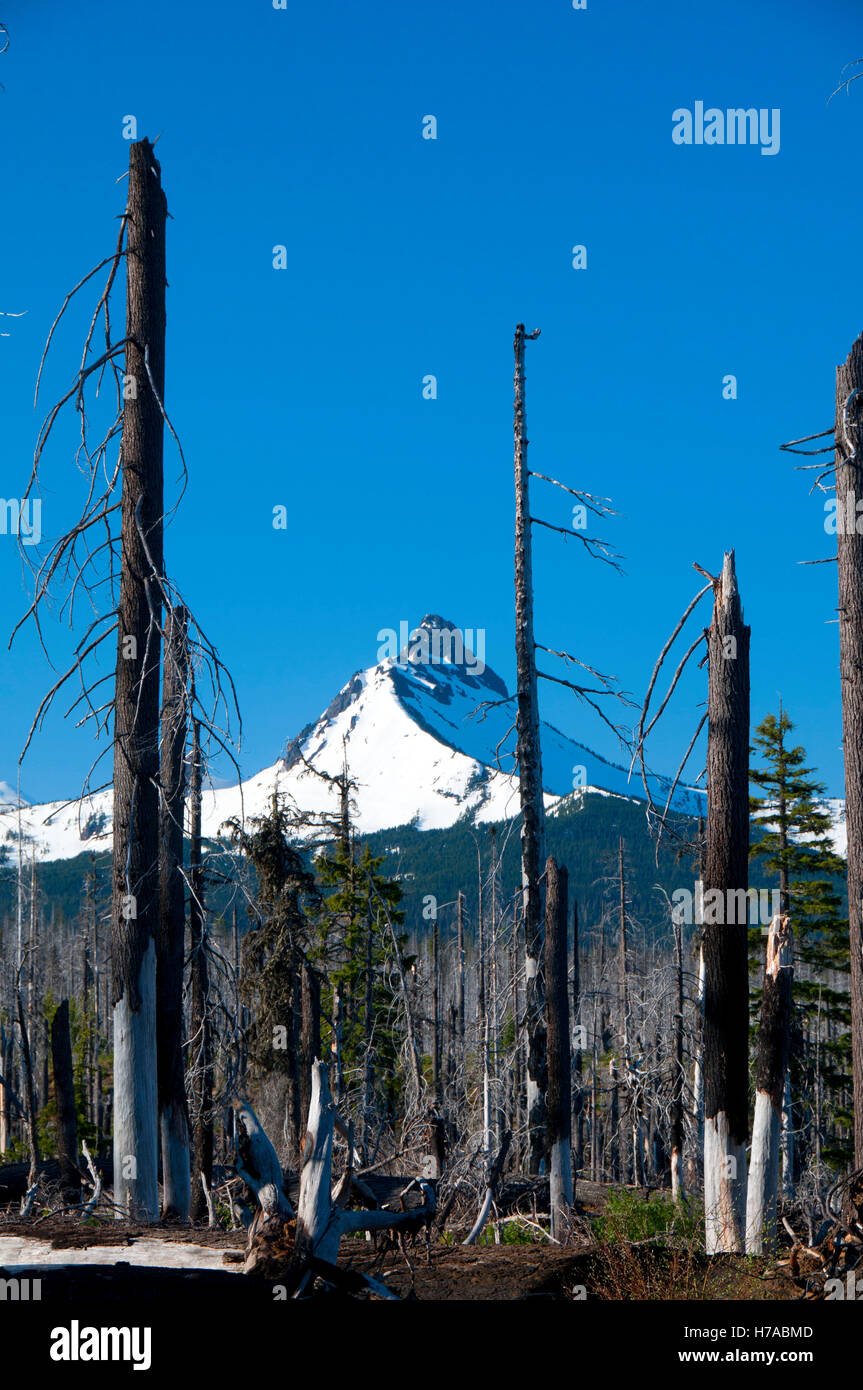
{"points": [[14, 1184]]}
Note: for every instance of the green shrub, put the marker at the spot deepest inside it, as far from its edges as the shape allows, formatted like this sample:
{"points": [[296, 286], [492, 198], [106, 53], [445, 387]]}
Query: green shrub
{"points": [[629, 1217]]}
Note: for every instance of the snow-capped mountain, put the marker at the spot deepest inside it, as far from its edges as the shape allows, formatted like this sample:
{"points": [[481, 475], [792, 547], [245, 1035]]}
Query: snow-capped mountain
{"points": [[429, 738], [9, 797]]}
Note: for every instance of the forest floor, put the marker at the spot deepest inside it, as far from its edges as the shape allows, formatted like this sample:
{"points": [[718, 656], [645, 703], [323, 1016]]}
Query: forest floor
{"points": [[606, 1269], [507, 1272]]}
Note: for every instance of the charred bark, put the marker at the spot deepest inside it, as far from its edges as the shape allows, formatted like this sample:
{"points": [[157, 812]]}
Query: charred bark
{"points": [[726, 964], [559, 1079], [136, 700], [530, 778], [173, 1114], [64, 1094], [578, 1063], [774, 1046], [678, 1191], [201, 1046], [849, 492]]}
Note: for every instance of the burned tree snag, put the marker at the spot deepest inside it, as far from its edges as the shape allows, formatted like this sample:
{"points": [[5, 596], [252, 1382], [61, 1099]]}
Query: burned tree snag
{"points": [[726, 966], [5, 1099], [310, 1031], [849, 491], [173, 1114], [136, 699], [64, 1095], [530, 776], [678, 1191], [577, 1061], [774, 1045], [559, 1079], [29, 1091], [437, 1089], [200, 1039]]}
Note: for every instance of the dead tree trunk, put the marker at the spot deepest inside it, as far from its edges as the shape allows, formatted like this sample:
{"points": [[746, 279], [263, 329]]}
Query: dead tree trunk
{"points": [[29, 1093], [460, 1058], [136, 701], [677, 1096], [64, 1094], [5, 1101], [437, 1092], [578, 1063], [173, 1114], [309, 1245], [774, 1044], [559, 1079], [626, 1042], [849, 492], [530, 777], [310, 1031], [200, 1042], [726, 965]]}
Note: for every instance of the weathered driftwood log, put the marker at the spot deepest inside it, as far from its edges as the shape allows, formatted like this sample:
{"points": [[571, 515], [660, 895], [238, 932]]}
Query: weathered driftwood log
{"points": [[774, 1042]]}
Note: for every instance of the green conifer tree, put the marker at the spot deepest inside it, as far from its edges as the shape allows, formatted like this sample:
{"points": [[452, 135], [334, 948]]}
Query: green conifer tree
{"points": [[793, 841]]}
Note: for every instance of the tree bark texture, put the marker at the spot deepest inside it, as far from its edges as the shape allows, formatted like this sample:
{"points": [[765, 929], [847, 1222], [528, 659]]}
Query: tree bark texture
{"points": [[774, 1046], [726, 964], [530, 777], [559, 1058], [173, 1113], [136, 709], [849, 493]]}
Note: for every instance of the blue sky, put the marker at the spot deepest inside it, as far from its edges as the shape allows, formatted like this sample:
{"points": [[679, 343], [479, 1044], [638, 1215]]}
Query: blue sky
{"points": [[407, 257]]}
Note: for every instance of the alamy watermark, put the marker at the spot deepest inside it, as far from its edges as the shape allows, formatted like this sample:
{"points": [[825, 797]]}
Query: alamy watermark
{"points": [[844, 518], [437, 646], [734, 126], [734, 907], [22, 519]]}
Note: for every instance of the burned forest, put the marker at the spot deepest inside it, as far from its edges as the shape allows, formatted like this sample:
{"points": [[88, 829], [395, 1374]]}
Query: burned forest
{"points": [[441, 1004]]}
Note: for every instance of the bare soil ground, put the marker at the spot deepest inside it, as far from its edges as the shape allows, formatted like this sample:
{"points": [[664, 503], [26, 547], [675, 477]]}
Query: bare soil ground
{"points": [[614, 1272], [507, 1272]]}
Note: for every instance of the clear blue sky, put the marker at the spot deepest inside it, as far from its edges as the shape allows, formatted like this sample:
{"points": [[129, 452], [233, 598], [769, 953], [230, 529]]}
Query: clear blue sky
{"points": [[410, 256]]}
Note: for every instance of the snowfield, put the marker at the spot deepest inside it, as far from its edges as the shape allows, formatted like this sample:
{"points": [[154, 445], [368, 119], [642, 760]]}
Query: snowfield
{"points": [[427, 743]]}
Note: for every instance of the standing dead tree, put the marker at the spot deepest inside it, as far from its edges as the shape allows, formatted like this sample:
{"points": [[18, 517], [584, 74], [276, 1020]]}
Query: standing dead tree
{"points": [[559, 1078], [849, 491], [726, 961], [200, 1027], [173, 1114], [127, 559], [678, 1190], [774, 1046], [725, 878], [847, 479], [528, 750], [64, 1093], [529, 773], [29, 1091], [136, 698]]}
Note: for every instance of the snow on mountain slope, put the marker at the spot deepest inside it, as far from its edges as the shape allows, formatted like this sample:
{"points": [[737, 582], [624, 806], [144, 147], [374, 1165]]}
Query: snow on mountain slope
{"points": [[9, 797], [416, 747], [836, 807]]}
